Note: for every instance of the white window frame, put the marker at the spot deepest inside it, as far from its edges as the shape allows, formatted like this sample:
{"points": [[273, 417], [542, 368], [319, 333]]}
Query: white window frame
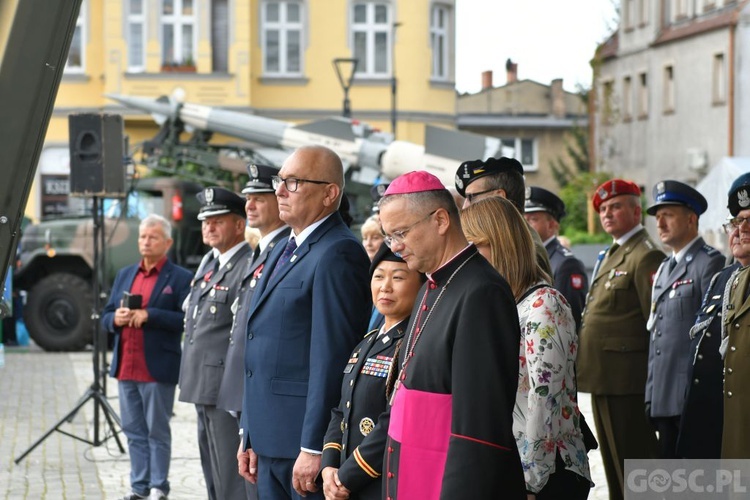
{"points": [[643, 12], [177, 19], [284, 27], [680, 9], [517, 151], [134, 19], [719, 80], [628, 13], [81, 25], [370, 28], [440, 41]]}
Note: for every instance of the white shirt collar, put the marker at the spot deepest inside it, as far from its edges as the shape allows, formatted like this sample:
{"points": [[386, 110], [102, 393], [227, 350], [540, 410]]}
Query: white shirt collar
{"points": [[267, 239], [302, 236], [224, 258], [625, 237]]}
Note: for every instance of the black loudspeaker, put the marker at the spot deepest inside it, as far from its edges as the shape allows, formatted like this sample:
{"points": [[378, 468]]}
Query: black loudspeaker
{"points": [[96, 155]]}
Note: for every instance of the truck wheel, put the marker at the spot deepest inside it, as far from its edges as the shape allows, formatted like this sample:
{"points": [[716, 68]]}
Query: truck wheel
{"points": [[58, 312]]}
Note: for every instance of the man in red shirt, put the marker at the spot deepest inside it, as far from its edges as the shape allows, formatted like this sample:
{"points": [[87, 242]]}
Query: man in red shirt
{"points": [[144, 313]]}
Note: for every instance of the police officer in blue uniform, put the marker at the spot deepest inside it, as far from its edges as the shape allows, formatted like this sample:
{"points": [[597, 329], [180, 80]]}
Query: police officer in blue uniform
{"points": [[679, 286], [544, 210]]}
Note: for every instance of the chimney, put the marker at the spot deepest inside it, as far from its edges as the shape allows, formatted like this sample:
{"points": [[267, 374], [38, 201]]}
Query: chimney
{"points": [[511, 69], [486, 80], [557, 98]]}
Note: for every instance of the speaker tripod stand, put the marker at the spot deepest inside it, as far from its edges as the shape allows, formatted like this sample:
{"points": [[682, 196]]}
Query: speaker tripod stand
{"points": [[97, 390]]}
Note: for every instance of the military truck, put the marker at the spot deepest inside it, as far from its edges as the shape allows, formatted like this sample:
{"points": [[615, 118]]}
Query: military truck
{"points": [[55, 261]]}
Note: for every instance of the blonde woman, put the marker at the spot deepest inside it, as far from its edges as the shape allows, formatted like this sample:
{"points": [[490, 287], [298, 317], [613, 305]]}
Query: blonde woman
{"points": [[372, 237], [546, 419]]}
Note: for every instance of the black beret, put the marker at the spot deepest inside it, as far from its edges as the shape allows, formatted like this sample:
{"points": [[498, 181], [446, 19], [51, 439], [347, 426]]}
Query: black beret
{"points": [[540, 200], [677, 193], [384, 253], [469, 171], [219, 201], [739, 195], [260, 179]]}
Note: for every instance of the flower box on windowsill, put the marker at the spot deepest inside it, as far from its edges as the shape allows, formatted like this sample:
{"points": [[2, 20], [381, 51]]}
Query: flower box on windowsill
{"points": [[177, 68]]}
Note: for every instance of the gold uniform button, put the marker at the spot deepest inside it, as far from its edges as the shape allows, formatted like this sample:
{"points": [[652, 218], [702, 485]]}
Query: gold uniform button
{"points": [[700, 356], [733, 348], [348, 404], [729, 394], [729, 370]]}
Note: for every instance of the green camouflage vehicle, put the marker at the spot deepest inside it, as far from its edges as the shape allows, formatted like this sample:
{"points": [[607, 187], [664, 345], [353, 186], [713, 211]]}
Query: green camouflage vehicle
{"points": [[55, 260]]}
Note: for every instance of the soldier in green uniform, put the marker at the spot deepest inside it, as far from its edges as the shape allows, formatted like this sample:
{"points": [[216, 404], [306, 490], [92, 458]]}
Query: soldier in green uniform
{"points": [[613, 343], [735, 343]]}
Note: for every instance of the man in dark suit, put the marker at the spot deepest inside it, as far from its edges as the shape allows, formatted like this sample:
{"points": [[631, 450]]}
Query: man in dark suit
{"points": [[544, 210], [305, 318], [208, 320], [262, 214], [679, 286], [613, 342], [146, 354]]}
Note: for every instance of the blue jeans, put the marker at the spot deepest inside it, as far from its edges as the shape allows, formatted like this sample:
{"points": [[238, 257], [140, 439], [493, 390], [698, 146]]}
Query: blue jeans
{"points": [[146, 408]]}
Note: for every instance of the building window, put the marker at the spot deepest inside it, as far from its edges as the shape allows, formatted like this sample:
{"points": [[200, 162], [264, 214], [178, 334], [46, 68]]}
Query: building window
{"points": [[680, 9], [627, 99], [643, 95], [643, 11], [607, 103], [719, 82], [669, 101], [440, 41], [709, 5], [178, 32], [136, 35], [220, 36], [372, 28], [282, 38], [76, 62], [628, 13], [524, 150]]}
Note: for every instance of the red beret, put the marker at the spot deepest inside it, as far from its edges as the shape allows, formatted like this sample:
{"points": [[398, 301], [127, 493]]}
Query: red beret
{"points": [[615, 187], [414, 182]]}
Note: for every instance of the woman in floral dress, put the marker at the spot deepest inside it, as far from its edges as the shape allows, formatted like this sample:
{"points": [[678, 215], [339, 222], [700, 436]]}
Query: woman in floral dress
{"points": [[546, 419]]}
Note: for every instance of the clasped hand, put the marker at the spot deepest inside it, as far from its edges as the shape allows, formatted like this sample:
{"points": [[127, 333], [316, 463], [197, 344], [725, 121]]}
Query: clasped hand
{"points": [[134, 318]]}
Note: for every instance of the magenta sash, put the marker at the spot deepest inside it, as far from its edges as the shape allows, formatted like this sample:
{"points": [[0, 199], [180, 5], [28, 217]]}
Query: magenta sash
{"points": [[421, 424]]}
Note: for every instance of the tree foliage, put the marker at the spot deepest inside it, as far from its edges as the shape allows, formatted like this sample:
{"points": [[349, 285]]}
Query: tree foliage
{"points": [[577, 196]]}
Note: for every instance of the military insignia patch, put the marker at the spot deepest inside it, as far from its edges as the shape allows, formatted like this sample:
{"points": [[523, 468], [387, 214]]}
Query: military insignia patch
{"points": [[743, 199], [254, 171], [576, 281], [459, 182], [381, 189], [366, 425], [209, 194]]}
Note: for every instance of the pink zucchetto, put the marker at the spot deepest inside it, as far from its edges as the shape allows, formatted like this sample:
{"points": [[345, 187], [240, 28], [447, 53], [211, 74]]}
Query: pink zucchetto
{"points": [[414, 182]]}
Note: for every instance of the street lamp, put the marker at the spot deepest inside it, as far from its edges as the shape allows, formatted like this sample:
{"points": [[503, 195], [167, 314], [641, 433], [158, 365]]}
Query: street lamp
{"points": [[346, 78]]}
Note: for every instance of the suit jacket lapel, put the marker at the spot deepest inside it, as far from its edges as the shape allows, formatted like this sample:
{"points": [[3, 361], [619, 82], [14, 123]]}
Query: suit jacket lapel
{"points": [[217, 276], [267, 284]]}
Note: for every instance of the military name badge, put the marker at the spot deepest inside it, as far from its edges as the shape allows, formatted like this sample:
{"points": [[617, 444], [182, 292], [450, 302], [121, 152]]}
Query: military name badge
{"points": [[366, 425], [352, 361]]}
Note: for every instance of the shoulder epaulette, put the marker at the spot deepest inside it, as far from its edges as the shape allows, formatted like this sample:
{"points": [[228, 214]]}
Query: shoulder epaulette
{"points": [[649, 244], [710, 250]]}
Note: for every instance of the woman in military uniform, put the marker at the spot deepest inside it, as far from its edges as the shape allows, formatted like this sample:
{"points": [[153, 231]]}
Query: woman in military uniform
{"points": [[546, 418], [351, 463]]}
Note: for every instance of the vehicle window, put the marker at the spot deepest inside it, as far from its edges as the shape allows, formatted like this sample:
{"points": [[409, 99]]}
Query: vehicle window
{"points": [[138, 204]]}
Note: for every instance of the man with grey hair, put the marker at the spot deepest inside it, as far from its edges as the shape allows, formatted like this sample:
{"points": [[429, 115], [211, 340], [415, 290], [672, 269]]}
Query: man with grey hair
{"points": [[144, 313]]}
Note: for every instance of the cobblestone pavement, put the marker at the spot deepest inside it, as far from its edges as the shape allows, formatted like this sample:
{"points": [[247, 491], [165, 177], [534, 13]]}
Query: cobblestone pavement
{"points": [[38, 388]]}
